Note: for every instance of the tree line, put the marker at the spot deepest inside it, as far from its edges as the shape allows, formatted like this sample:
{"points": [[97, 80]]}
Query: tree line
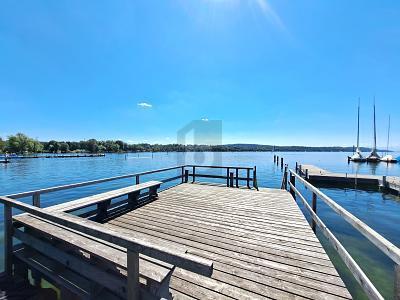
{"points": [[21, 143]]}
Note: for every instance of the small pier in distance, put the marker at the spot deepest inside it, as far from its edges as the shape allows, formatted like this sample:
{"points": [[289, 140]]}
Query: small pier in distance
{"points": [[191, 240], [316, 174]]}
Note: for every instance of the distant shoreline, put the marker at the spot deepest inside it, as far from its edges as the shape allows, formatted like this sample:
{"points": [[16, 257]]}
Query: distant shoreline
{"points": [[22, 144]]}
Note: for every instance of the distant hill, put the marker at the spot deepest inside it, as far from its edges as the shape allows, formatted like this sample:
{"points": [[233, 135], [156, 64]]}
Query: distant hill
{"points": [[257, 147]]}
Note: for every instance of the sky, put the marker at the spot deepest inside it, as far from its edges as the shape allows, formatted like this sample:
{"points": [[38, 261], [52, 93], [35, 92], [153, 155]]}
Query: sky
{"points": [[271, 72]]}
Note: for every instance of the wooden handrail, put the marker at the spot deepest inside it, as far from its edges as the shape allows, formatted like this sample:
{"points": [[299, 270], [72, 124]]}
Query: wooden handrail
{"points": [[379, 241], [354, 268], [36, 193], [140, 243], [85, 183], [221, 167]]}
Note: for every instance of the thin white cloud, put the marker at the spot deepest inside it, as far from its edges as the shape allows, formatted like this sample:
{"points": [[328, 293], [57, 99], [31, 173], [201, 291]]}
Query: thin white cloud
{"points": [[204, 119], [270, 14], [145, 105]]}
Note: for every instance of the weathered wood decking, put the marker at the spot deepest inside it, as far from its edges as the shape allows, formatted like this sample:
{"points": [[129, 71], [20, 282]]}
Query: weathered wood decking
{"points": [[260, 243]]}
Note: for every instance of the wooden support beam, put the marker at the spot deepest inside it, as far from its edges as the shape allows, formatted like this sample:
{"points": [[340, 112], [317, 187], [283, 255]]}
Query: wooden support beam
{"points": [[231, 179], [183, 174], [292, 181], [237, 177], [102, 210], [248, 178], [133, 275], [137, 179], [194, 174], [8, 245], [133, 198], [281, 162], [285, 177], [227, 177], [153, 192], [36, 199], [314, 208], [255, 183], [186, 176]]}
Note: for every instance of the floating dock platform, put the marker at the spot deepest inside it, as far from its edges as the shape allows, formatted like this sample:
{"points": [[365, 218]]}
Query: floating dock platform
{"points": [[316, 174]]}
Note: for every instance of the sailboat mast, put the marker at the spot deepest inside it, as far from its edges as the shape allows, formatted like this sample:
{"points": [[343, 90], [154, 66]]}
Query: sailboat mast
{"points": [[358, 126], [374, 149]]}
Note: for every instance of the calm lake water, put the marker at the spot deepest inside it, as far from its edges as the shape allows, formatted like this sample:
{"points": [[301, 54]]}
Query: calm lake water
{"points": [[379, 210]]}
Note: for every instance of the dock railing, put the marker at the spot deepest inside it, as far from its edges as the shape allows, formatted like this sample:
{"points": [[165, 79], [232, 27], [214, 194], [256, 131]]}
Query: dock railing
{"points": [[134, 244], [379, 241], [80, 224], [232, 175]]}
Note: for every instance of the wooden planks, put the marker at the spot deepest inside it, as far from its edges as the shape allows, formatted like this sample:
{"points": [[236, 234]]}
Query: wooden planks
{"points": [[260, 243], [95, 199]]}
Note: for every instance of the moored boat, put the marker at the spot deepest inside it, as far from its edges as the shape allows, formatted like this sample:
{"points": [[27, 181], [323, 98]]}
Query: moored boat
{"points": [[388, 158], [357, 156], [374, 156]]}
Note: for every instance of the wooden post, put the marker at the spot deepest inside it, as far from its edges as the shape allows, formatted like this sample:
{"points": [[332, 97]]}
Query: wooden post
{"points": [[274, 159], [293, 182], [133, 199], [281, 162], [297, 167], [277, 160], [314, 208], [231, 179], [153, 192], [182, 174], [8, 239], [306, 174], [285, 177], [237, 177], [255, 184], [137, 179], [384, 182], [194, 174], [36, 199], [186, 176], [396, 282], [248, 178], [102, 209], [133, 275], [227, 177]]}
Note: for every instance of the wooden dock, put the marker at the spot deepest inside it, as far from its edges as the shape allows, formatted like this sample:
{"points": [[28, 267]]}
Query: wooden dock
{"points": [[259, 242], [316, 174], [194, 240]]}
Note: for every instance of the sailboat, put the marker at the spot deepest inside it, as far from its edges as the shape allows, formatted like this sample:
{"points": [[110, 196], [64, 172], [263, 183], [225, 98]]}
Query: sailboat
{"points": [[388, 158], [374, 156], [357, 156]]}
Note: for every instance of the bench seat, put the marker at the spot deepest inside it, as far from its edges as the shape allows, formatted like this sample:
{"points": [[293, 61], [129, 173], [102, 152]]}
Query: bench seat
{"points": [[103, 197], [154, 274]]}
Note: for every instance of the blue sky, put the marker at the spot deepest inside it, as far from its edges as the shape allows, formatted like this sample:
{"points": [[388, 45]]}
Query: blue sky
{"points": [[275, 72]]}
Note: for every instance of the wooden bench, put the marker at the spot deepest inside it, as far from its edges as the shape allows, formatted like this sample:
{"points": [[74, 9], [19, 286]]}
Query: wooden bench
{"points": [[99, 260], [82, 253], [103, 200]]}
